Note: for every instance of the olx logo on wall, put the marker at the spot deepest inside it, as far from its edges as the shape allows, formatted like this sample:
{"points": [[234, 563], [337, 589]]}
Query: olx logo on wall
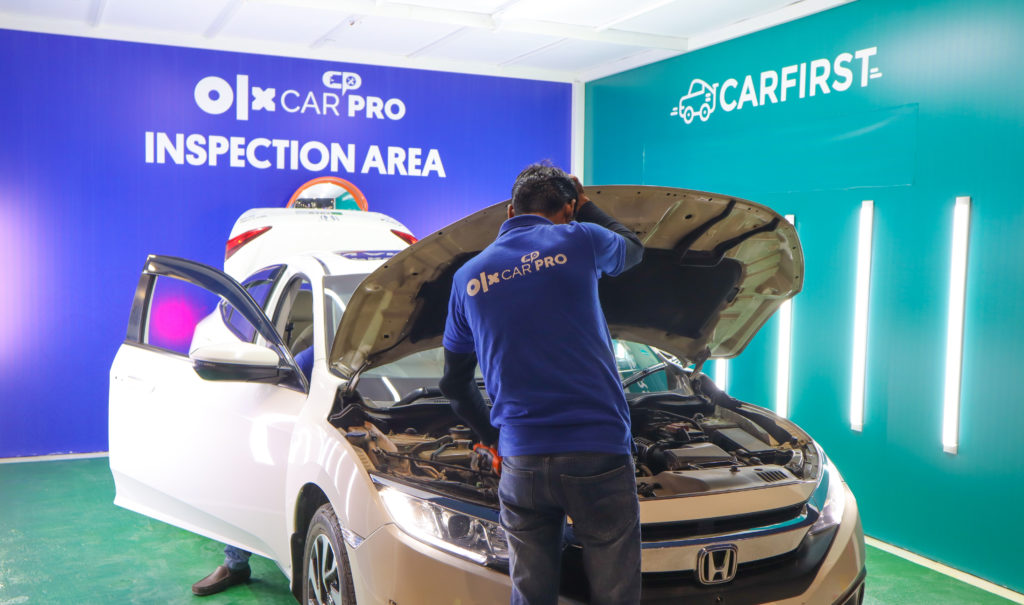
{"points": [[215, 95], [808, 79]]}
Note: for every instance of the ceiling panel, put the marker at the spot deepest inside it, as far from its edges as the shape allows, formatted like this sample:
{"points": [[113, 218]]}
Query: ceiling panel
{"points": [[700, 16], [609, 68], [385, 34], [562, 40], [487, 45], [54, 9], [473, 6], [193, 16], [573, 55], [591, 13], [278, 23]]}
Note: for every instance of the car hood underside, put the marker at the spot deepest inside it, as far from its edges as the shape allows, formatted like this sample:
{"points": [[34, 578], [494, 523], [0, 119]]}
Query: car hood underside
{"points": [[714, 270]]}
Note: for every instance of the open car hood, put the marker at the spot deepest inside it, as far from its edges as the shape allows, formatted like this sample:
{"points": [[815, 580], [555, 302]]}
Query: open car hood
{"points": [[714, 270]]}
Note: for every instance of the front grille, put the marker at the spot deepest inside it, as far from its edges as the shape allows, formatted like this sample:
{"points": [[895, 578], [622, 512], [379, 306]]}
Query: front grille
{"points": [[660, 532], [681, 578]]}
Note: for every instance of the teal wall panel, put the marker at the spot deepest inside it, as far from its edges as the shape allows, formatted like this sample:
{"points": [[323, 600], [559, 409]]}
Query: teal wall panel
{"points": [[942, 118]]}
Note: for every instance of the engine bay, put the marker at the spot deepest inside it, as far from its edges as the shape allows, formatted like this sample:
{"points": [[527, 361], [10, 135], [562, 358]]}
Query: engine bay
{"points": [[684, 442]]}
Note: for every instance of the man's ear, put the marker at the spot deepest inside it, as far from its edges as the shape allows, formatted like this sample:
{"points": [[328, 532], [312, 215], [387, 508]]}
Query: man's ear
{"points": [[511, 212]]}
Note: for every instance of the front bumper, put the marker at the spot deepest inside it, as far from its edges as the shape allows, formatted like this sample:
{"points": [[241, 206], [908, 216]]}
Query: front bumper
{"points": [[826, 569], [392, 568]]}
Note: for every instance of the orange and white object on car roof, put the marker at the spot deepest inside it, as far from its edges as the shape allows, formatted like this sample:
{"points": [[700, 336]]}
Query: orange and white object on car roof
{"points": [[328, 192]]}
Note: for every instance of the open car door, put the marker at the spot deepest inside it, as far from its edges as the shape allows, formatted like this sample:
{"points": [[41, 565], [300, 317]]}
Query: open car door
{"points": [[199, 437]]}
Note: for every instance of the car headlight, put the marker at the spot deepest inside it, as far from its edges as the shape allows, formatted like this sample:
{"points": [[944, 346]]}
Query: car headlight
{"points": [[476, 539], [830, 497]]}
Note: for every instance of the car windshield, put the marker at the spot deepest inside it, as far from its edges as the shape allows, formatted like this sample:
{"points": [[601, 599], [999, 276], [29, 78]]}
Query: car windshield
{"points": [[426, 365], [389, 383]]}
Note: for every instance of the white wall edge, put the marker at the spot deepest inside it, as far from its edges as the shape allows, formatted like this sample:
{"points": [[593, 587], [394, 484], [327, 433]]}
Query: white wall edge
{"points": [[52, 457], [956, 574]]}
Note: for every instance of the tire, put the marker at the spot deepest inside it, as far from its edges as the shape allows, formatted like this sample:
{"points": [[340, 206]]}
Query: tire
{"points": [[705, 112], [326, 577], [688, 114]]}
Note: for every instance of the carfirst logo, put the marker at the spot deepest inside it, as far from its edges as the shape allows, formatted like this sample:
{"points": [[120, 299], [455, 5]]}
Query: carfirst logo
{"points": [[530, 263], [818, 77], [216, 95]]}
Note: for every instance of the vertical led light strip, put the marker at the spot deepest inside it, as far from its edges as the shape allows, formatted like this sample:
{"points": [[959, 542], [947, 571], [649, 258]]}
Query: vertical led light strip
{"points": [[860, 314], [783, 357], [577, 121], [722, 374], [955, 325]]}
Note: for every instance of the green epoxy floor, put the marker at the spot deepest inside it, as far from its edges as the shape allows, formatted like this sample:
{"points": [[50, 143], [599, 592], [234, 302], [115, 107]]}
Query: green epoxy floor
{"points": [[63, 541]]}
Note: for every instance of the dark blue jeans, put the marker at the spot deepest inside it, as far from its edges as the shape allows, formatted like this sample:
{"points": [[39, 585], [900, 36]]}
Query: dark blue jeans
{"points": [[235, 558], [598, 491]]}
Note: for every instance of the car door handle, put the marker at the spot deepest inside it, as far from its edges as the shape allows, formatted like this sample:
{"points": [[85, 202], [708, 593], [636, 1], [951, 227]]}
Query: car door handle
{"points": [[144, 385]]}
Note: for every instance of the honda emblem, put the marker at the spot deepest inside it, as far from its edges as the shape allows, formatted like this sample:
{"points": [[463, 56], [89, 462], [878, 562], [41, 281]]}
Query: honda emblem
{"points": [[717, 564]]}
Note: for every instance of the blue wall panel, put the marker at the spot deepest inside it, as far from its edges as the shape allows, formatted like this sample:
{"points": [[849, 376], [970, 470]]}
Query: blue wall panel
{"points": [[941, 118], [81, 207]]}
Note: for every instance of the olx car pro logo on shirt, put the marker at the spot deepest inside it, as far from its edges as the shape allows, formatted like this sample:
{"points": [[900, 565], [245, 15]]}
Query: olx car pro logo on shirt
{"points": [[531, 263], [216, 96], [808, 79]]}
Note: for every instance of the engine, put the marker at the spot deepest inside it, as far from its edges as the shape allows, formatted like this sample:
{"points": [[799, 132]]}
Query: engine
{"points": [[683, 454], [447, 460], [683, 447]]}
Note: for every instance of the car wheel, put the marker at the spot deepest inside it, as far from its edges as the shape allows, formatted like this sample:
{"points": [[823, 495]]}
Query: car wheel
{"points": [[326, 579], [705, 112], [688, 115]]}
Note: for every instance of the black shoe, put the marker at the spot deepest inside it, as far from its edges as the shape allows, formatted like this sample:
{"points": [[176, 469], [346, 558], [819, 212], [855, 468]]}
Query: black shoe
{"points": [[221, 578]]}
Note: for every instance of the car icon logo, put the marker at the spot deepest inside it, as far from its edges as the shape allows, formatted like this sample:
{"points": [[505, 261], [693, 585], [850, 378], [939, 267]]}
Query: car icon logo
{"points": [[699, 101]]}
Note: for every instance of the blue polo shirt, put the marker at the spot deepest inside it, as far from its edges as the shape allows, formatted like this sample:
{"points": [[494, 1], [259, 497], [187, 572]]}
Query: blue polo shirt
{"points": [[528, 306]]}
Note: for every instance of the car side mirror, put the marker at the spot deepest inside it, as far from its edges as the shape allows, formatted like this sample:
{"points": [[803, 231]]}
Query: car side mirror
{"points": [[238, 361]]}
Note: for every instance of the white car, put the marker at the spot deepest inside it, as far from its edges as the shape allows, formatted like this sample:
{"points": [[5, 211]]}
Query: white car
{"points": [[358, 480]]}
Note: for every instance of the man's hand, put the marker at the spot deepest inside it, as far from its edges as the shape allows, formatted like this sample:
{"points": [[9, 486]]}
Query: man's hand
{"points": [[581, 197], [486, 457]]}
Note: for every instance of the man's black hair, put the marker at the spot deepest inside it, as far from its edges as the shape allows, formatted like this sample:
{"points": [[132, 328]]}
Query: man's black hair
{"points": [[542, 189]]}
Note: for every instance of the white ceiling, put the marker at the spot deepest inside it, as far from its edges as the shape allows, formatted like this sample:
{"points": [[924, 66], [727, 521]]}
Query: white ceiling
{"points": [[562, 40]]}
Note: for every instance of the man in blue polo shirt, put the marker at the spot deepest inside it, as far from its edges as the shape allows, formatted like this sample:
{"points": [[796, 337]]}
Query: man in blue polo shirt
{"points": [[527, 309]]}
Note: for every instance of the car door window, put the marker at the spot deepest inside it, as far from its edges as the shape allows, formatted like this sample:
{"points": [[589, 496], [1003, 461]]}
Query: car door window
{"points": [[149, 324], [293, 317], [338, 289], [258, 285], [176, 308], [293, 321]]}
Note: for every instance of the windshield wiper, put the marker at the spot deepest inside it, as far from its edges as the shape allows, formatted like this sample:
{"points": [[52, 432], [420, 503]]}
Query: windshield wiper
{"points": [[418, 393], [644, 373]]}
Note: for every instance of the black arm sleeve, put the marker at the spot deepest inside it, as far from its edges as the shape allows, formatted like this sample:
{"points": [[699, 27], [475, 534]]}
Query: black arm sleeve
{"points": [[590, 213], [459, 385], [717, 396]]}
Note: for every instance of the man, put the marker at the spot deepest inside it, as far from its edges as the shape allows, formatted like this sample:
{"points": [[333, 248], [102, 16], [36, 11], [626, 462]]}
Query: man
{"points": [[546, 355]]}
